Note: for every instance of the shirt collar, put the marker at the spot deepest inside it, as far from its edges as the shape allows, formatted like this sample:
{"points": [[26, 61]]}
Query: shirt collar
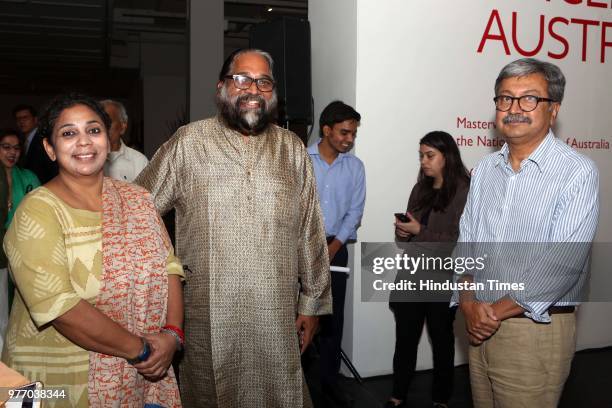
{"points": [[313, 149], [539, 156], [30, 135], [113, 155]]}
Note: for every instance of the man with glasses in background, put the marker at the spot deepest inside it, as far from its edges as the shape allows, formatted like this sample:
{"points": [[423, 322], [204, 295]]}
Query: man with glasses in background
{"points": [[34, 156], [537, 200], [251, 236]]}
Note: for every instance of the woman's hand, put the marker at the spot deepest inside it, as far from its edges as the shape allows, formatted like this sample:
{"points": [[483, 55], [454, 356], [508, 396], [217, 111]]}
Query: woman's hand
{"points": [[407, 229], [163, 347]]}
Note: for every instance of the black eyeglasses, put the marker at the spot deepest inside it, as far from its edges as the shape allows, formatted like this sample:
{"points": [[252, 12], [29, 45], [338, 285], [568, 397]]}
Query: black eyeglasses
{"points": [[244, 82], [7, 147], [527, 103]]}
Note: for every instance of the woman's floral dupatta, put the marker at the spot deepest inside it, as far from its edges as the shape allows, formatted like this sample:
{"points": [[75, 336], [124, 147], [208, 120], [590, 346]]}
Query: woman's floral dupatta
{"points": [[133, 292]]}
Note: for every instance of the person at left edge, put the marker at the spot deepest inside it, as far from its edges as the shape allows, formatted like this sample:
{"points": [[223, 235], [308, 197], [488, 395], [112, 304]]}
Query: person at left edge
{"points": [[98, 310], [342, 190], [4, 279], [20, 182]]}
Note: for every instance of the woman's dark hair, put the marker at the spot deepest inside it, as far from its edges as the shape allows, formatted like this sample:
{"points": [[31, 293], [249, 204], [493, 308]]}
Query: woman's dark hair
{"points": [[58, 104], [12, 132], [454, 173], [9, 132]]}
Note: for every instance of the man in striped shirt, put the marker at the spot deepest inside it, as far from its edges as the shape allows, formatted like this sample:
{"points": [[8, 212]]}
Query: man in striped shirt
{"points": [[535, 205]]}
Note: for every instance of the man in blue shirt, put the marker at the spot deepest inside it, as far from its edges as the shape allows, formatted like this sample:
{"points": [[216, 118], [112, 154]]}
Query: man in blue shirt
{"points": [[341, 185], [536, 203]]}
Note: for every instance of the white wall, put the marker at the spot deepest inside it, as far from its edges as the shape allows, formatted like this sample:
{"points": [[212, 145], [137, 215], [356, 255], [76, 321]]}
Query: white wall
{"points": [[417, 70], [334, 64]]}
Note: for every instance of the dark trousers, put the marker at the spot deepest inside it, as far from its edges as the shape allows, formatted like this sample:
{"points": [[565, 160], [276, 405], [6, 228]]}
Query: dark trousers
{"points": [[409, 320], [330, 336]]}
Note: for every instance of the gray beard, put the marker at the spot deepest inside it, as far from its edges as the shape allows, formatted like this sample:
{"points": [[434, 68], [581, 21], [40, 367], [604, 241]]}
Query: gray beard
{"points": [[252, 117], [247, 121]]}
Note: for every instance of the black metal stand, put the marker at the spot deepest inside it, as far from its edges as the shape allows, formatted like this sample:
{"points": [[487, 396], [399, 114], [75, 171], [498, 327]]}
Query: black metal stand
{"points": [[351, 367]]}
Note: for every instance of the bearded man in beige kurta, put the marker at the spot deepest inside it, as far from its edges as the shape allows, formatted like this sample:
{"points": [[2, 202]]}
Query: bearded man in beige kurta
{"points": [[250, 230]]}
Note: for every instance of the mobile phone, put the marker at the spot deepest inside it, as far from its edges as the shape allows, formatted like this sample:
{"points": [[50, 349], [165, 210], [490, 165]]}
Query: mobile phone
{"points": [[402, 217], [27, 396]]}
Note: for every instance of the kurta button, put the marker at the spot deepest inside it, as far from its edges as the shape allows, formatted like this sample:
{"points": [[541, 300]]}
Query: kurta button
{"points": [[249, 198]]}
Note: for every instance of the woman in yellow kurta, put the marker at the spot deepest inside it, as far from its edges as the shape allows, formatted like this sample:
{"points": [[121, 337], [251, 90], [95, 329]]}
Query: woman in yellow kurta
{"points": [[98, 313]]}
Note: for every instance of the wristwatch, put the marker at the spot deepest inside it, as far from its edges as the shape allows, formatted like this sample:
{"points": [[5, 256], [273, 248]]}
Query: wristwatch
{"points": [[144, 354]]}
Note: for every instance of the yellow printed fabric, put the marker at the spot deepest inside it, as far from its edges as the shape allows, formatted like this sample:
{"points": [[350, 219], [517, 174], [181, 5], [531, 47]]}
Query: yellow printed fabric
{"points": [[55, 256]]}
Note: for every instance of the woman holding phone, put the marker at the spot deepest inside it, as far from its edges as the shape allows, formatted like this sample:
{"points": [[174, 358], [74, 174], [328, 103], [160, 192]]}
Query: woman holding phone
{"points": [[434, 208]]}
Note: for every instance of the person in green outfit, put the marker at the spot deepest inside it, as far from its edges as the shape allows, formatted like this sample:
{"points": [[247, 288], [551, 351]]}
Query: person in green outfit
{"points": [[4, 301], [20, 181], [16, 183]]}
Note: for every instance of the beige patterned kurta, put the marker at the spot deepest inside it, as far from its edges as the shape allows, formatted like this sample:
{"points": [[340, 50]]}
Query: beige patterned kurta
{"points": [[248, 227]]}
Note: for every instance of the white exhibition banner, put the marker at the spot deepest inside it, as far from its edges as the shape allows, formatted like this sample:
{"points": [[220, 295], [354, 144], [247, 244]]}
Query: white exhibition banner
{"points": [[431, 65]]}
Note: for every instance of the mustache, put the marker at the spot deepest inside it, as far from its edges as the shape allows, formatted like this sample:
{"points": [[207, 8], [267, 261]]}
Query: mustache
{"points": [[251, 98], [243, 119], [516, 118]]}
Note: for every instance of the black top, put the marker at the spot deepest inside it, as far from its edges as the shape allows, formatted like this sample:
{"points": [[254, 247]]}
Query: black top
{"points": [[37, 160]]}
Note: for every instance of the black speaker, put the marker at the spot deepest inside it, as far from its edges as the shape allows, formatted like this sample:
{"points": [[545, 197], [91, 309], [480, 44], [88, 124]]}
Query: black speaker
{"points": [[288, 41]]}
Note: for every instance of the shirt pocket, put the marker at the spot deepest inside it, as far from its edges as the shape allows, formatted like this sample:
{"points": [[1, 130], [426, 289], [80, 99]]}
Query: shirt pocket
{"points": [[278, 202]]}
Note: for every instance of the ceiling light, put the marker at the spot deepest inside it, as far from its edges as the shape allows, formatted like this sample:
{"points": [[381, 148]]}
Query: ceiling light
{"points": [[270, 9]]}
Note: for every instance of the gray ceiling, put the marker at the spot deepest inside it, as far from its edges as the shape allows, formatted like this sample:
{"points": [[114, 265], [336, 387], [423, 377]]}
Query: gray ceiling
{"points": [[52, 33], [53, 39]]}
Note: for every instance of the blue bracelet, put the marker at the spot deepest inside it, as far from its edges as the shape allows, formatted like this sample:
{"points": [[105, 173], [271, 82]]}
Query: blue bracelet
{"points": [[144, 354]]}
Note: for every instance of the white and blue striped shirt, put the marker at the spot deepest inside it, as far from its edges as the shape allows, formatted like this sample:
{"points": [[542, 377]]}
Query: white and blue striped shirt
{"points": [[552, 203]]}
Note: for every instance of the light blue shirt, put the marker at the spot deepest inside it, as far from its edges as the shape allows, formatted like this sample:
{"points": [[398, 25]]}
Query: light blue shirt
{"points": [[551, 202], [342, 191]]}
